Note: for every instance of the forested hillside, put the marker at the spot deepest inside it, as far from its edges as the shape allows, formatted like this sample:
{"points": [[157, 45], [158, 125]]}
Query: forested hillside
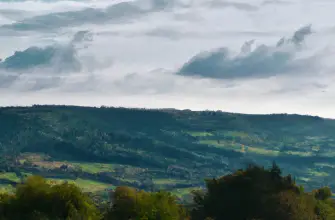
{"points": [[101, 148]]}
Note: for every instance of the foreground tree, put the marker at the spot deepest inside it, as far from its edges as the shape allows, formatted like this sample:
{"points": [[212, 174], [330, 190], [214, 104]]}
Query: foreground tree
{"points": [[129, 203], [325, 204], [36, 199], [251, 194], [257, 193]]}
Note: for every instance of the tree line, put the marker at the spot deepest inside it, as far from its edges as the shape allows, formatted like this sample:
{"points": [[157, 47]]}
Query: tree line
{"points": [[253, 193]]}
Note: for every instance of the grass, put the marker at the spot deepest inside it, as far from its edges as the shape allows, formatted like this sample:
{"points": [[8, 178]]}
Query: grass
{"points": [[86, 167], [10, 176], [236, 134], [222, 144], [299, 153], [32, 157], [199, 133], [263, 151], [169, 181], [239, 134], [49, 164], [85, 184], [6, 188], [94, 167], [304, 179], [256, 150], [315, 148], [40, 160], [240, 148], [325, 165], [184, 191], [328, 154], [317, 173], [232, 134], [91, 185]]}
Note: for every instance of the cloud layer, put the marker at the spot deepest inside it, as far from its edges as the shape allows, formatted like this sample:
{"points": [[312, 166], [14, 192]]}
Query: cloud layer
{"points": [[195, 54]]}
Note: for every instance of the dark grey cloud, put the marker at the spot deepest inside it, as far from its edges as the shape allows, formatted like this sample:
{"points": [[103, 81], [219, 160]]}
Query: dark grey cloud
{"points": [[120, 12], [55, 58], [39, 68], [61, 58], [236, 5], [6, 80], [14, 14], [301, 88], [124, 11], [300, 35], [275, 2], [176, 34], [45, 83], [170, 33], [42, 57], [263, 61], [51, 1], [51, 21]]}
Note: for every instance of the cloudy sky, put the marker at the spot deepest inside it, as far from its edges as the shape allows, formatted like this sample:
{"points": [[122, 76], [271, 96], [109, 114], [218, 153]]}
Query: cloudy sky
{"points": [[249, 56]]}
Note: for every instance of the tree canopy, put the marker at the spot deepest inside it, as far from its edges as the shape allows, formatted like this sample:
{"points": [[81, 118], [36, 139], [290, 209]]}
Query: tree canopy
{"points": [[130, 203], [254, 193], [37, 199], [259, 193]]}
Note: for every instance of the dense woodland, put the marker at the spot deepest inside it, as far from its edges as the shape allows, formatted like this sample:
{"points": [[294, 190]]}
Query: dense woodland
{"points": [[249, 194], [163, 156]]}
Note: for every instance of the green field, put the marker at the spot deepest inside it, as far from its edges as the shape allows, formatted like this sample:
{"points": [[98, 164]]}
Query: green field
{"points": [[94, 167], [6, 188], [199, 134], [10, 176], [85, 184]]}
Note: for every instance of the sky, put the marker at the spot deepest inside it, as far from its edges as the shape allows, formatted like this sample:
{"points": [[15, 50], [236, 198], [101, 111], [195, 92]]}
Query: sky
{"points": [[246, 56]]}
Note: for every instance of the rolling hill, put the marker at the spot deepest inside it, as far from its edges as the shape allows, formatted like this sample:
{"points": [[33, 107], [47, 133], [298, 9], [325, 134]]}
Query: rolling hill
{"points": [[99, 148]]}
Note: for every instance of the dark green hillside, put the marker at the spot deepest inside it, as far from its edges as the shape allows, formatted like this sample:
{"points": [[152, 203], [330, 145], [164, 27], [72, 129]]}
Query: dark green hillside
{"points": [[104, 147]]}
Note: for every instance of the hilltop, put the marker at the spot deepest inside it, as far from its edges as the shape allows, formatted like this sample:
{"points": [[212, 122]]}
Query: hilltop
{"points": [[101, 148]]}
